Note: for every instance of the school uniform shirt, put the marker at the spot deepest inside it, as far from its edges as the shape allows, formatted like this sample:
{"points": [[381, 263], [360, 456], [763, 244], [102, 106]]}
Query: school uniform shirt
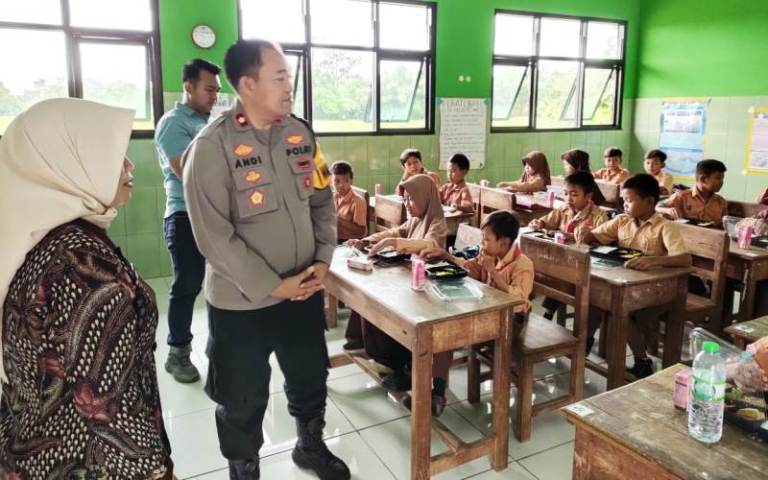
{"points": [[436, 233], [656, 236], [665, 182], [570, 221], [352, 208], [609, 175], [517, 271], [260, 206], [690, 204], [457, 194], [761, 356]]}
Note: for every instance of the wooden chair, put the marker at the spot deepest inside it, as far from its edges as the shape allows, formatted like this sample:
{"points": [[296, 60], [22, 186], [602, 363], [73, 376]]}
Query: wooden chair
{"points": [[492, 199], [476, 191], [611, 192], [744, 209], [562, 273], [389, 212], [364, 193], [467, 235]]}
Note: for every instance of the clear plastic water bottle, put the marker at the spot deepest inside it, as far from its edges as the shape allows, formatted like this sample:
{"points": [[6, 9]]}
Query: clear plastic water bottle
{"points": [[706, 404]]}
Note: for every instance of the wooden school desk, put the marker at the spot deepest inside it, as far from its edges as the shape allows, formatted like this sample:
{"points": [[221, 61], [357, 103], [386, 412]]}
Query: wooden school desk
{"points": [[746, 267], [748, 332], [621, 291], [635, 433], [426, 325]]}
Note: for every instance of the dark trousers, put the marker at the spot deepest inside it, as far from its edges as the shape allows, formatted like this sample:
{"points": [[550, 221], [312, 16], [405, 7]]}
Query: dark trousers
{"points": [[239, 346], [188, 272]]}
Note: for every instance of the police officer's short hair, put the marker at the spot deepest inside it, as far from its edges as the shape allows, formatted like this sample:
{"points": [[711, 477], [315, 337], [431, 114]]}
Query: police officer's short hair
{"points": [[342, 168], [192, 69], [409, 152], [244, 57]]}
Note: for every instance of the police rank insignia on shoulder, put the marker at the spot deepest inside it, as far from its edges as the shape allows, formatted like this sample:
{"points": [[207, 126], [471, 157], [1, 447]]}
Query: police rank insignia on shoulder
{"points": [[321, 176], [241, 119]]}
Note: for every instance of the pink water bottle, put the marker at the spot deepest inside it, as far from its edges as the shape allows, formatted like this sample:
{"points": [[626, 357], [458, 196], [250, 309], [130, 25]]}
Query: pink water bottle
{"points": [[550, 199], [745, 236], [377, 189], [560, 238], [418, 274], [682, 389]]}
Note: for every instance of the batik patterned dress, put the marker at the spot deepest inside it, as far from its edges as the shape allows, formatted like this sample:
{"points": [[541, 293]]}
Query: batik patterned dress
{"points": [[82, 400]]}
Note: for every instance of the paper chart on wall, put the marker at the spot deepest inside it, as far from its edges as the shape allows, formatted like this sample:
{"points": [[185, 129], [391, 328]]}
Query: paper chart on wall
{"points": [[463, 127], [757, 142], [683, 123]]}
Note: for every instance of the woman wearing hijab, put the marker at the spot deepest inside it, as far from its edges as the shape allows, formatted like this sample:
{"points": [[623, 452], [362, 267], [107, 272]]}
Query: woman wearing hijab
{"points": [[426, 228], [80, 396], [578, 161], [535, 176]]}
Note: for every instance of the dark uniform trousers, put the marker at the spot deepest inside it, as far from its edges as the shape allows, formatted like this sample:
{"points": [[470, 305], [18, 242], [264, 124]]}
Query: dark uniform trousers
{"points": [[239, 345]]}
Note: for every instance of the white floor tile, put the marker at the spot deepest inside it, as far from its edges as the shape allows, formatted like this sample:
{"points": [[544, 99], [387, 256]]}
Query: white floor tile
{"points": [[514, 472], [554, 464], [363, 402]]}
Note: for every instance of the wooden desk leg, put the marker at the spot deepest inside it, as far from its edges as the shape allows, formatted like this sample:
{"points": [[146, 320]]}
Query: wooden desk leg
{"points": [[618, 328], [501, 383], [331, 311], [739, 342], [673, 341], [421, 407], [747, 307]]}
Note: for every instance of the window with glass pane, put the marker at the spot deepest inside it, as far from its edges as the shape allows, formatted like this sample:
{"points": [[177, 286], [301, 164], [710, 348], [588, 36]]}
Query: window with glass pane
{"points": [[111, 14], [599, 96], [604, 40], [560, 37], [555, 87], [513, 35], [31, 11], [342, 22], [26, 82], [511, 96], [342, 90], [122, 84], [281, 21], [296, 64], [404, 26], [403, 94]]}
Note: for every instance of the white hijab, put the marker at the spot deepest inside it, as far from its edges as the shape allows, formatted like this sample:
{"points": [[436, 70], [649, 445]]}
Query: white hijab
{"points": [[60, 160]]}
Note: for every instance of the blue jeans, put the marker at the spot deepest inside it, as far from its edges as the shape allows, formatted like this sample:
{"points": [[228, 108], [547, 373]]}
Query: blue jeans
{"points": [[188, 272]]}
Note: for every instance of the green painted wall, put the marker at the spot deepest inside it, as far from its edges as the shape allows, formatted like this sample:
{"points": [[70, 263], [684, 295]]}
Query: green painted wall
{"points": [[703, 48]]}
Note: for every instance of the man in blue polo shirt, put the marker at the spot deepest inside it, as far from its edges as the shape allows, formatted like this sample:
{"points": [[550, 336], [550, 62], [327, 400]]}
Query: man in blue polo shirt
{"points": [[173, 134]]}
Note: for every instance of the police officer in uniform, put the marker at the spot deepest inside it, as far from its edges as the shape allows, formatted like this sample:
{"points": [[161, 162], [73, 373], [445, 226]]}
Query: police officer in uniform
{"points": [[262, 214]]}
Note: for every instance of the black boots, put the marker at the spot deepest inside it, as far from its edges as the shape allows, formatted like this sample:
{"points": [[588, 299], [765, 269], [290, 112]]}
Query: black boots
{"points": [[311, 453], [244, 469]]}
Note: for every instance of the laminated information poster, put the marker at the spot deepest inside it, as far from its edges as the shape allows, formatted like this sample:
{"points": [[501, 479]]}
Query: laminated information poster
{"points": [[757, 146], [463, 127], [683, 123]]}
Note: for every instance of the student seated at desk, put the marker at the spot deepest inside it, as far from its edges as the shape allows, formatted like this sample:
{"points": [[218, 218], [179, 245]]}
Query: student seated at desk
{"points": [[535, 177], [759, 224], [578, 161], [612, 172], [640, 228], [351, 209], [701, 203], [751, 375], [425, 228], [655, 161], [501, 262], [455, 193], [580, 213], [412, 165]]}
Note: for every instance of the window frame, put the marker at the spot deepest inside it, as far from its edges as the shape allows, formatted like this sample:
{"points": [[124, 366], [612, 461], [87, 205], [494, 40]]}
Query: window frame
{"points": [[532, 61], [379, 54], [74, 36]]}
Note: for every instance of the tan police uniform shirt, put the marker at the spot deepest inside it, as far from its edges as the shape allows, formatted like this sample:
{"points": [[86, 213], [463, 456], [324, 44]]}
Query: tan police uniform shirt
{"points": [[256, 213]]}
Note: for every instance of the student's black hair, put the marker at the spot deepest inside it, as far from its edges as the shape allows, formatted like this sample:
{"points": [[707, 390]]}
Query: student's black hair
{"points": [[644, 186], [709, 166], [503, 224], [613, 152], [409, 152], [461, 161], [583, 180], [192, 69], [244, 57], [658, 155], [342, 168]]}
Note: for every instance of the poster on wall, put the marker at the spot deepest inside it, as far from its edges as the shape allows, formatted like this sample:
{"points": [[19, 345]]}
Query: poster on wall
{"points": [[683, 123], [757, 142], [463, 127]]}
